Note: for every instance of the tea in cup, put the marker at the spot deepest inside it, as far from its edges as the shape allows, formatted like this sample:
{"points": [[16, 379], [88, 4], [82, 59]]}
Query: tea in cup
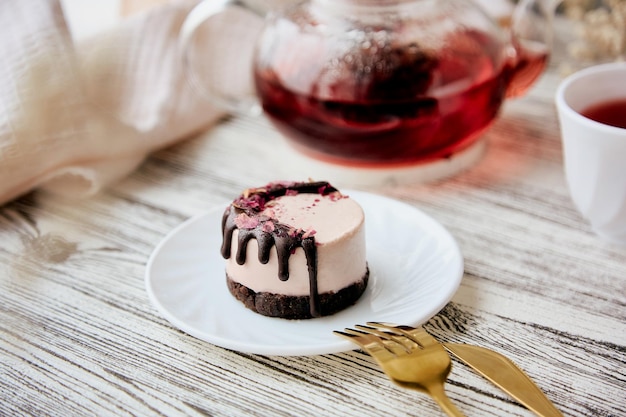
{"points": [[591, 107]]}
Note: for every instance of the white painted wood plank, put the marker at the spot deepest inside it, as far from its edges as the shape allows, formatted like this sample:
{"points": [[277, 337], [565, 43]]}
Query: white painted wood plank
{"points": [[78, 335]]}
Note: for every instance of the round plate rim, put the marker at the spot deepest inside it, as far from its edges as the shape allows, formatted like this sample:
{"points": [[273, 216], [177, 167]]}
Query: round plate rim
{"points": [[454, 281]]}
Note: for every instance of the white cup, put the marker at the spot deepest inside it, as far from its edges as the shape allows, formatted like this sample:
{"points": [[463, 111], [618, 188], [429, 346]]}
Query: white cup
{"points": [[595, 153]]}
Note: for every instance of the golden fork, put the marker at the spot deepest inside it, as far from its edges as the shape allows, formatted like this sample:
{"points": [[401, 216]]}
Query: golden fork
{"points": [[410, 357]]}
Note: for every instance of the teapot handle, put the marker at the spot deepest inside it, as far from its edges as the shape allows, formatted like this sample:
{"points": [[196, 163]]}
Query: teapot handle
{"points": [[531, 42], [238, 98]]}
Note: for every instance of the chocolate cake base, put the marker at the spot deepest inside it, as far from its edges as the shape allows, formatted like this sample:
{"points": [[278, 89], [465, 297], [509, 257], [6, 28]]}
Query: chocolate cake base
{"points": [[296, 307]]}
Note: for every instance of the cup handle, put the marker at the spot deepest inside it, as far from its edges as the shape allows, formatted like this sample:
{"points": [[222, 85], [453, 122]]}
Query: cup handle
{"points": [[200, 14]]}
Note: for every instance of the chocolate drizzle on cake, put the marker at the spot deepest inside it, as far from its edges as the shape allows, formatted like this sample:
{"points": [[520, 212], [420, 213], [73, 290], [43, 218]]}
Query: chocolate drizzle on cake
{"points": [[245, 214]]}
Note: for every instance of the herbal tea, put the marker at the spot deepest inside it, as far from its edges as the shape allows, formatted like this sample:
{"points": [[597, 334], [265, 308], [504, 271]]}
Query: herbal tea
{"points": [[395, 106], [611, 113]]}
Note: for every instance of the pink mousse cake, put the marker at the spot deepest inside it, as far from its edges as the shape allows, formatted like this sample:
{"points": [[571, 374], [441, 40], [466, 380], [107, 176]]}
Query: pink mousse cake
{"points": [[295, 250]]}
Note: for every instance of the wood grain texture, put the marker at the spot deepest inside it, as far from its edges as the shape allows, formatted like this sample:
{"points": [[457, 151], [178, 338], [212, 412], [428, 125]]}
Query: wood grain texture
{"points": [[79, 337]]}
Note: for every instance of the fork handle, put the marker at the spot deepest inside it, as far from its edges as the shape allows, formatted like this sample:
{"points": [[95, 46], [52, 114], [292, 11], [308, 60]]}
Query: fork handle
{"points": [[437, 392]]}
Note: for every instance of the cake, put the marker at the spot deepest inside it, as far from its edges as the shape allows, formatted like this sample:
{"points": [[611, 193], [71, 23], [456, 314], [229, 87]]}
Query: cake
{"points": [[295, 250]]}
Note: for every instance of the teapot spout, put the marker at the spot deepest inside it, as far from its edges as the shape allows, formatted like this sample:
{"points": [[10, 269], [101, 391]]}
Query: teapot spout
{"points": [[531, 42]]}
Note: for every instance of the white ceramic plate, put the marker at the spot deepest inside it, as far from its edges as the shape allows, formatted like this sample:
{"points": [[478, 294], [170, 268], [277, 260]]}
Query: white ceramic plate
{"points": [[415, 269]]}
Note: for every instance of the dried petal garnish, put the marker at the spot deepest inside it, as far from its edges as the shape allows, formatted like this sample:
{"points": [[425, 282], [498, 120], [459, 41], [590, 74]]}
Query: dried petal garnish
{"points": [[336, 195], [268, 227], [253, 201], [321, 190], [243, 221], [270, 213]]}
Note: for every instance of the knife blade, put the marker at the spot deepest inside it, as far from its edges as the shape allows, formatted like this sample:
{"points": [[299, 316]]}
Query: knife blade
{"points": [[501, 371]]}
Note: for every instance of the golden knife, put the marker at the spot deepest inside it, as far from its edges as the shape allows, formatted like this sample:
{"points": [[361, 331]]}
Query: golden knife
{"points": [[500, 370]]}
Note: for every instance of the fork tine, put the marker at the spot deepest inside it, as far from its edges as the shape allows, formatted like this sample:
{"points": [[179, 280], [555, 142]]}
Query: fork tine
{"points": [[359, 335], [392, 339], [397, 345], [382, 339], [375, 331], [417, 334], [354, 338], [370, 343]]}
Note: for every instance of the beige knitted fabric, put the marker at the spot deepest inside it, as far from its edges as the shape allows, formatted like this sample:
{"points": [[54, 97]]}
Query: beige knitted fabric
{"points": [[74, 118]]}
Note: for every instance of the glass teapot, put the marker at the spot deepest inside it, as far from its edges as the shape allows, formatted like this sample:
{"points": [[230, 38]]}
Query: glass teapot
{"points": [[386, 82]]}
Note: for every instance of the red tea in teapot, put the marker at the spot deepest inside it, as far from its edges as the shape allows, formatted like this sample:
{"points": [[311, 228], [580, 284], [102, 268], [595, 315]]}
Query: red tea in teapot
{"points": [[391, 105]]}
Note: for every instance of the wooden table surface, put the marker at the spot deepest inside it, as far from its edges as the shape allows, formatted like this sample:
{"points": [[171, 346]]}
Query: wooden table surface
{"points": [[79, 336]]}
